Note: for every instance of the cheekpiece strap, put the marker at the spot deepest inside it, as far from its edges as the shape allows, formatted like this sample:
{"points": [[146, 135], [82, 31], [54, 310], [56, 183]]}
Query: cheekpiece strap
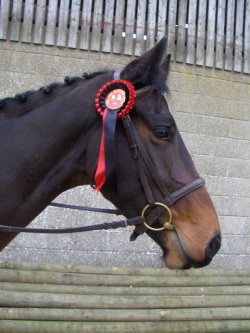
{"points": [[117, 75]]}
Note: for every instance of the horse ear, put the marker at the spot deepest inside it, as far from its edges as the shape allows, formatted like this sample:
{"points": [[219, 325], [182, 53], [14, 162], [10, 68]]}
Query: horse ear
{"points": [[166, 65], [142, 70]]}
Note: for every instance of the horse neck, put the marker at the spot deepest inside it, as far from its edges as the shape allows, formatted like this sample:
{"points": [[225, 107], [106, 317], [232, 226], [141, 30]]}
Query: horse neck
{"points": [[71, 122], [50, 144]]}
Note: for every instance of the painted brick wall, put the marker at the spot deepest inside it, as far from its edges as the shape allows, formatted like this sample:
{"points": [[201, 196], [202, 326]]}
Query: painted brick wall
{"points": [[211, 108]]}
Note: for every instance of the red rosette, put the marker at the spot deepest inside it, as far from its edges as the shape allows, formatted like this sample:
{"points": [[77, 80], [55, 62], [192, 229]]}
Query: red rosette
{"points": [[114, 100], [112, 86]]}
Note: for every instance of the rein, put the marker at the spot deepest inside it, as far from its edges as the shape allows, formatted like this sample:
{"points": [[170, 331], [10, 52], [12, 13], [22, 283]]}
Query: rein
{"points": [[146, 170], [136, 221]]}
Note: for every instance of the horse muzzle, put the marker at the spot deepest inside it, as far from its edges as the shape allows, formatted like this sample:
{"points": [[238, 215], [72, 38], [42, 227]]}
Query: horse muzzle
{"points": [[181, 259]]}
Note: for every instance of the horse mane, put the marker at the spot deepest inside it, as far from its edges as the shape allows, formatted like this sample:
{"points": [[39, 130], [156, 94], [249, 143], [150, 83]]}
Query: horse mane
{"points": [[18, 105], [24, 102]]}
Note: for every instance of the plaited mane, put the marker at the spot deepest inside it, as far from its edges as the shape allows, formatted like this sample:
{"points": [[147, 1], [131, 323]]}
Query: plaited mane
{"points": [[22, 102]]}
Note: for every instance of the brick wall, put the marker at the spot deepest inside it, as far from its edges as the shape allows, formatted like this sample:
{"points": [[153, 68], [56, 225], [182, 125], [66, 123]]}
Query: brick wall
{"points": [[211, 108]]}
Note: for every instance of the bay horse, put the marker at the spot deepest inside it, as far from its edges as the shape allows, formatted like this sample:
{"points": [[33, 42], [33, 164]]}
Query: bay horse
{"points": [[50, 142]]}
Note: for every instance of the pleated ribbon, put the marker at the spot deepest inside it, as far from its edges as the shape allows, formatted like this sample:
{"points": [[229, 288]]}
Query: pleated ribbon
{"points": [[114, 100]]}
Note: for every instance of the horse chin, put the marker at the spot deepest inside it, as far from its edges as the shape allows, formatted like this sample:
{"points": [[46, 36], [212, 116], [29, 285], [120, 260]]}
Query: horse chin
{"points": [[175, 256]]}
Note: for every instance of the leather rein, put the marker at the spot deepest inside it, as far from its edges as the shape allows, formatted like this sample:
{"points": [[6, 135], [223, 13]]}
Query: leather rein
{"points": [[146, 170]]}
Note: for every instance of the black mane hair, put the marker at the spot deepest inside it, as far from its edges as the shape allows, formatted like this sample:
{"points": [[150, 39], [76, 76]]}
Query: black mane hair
{"points": [[16, 106], [21, 98]]}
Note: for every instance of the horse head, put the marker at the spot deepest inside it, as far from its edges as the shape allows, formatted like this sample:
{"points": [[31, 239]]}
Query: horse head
{"points": [[55, 133], [196, 235]]}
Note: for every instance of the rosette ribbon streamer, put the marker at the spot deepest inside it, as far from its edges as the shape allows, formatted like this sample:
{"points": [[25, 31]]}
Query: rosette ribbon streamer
{"points": [[114, 100]]}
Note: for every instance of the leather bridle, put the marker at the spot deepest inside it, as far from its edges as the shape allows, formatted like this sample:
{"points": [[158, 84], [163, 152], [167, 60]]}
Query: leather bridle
{"points": [[146, 170]]}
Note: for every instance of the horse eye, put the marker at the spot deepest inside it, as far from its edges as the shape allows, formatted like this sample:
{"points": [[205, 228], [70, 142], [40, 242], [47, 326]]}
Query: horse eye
{"points": [[162, 133]]}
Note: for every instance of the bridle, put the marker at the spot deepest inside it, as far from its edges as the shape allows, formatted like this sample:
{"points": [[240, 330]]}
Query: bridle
{"points": [[146, 170]]}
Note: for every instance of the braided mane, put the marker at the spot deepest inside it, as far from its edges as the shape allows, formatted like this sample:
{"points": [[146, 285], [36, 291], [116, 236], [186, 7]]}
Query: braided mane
{"points": [[24, 102]]}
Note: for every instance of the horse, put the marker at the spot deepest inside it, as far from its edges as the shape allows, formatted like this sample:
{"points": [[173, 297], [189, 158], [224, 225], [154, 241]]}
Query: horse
{"points": [[50, 142]]}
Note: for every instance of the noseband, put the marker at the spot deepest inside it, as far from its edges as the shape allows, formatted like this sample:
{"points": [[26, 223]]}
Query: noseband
{"points": [[147, 170]]}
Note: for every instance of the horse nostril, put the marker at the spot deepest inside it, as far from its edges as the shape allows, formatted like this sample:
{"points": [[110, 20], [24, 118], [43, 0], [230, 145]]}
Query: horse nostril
{"points": [[213, 247]]}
